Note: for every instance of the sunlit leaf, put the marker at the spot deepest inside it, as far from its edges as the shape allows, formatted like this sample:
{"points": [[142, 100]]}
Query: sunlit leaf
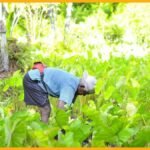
{"points": [[135, 83], [62, 117], [126, 134], [109, 91]]}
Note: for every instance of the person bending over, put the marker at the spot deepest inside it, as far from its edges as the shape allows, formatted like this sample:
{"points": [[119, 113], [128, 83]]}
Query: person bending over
{"points": [[42, 81]]}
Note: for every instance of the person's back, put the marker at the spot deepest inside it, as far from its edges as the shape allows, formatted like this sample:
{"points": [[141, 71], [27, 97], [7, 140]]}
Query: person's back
{"points": [[56, 79]]}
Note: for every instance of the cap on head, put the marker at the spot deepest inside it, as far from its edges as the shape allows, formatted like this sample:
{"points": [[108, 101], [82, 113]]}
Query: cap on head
{"points": [[88, 81]]}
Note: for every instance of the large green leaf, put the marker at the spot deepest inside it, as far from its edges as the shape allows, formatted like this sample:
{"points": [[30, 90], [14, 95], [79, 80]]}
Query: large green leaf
{"points": [[62, 117], [68, 140], [142, 139], [15, 132], [2, 134], [125, 134], [38, 138], [109, 91], [99, 86], [80, 129]]}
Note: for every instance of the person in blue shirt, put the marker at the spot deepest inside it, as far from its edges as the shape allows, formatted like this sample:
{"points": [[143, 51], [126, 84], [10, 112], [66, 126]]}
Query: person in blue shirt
{"points": [[57, 83]]}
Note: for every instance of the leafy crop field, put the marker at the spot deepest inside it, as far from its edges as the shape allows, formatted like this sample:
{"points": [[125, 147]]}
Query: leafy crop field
{"points": [[117, 115], [114, 50]]}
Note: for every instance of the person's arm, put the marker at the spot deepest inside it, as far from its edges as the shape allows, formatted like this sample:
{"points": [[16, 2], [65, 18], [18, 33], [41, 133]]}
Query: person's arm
{"points": [[67, 94], [61, 104]]}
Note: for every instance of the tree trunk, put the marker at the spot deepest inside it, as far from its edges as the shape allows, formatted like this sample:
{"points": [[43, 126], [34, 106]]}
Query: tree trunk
{"points": [[52, 15], [3, 53], [67, 20]]}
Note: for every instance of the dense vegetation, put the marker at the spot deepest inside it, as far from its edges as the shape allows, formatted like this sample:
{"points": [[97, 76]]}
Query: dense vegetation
{"points": [[109, 40]]}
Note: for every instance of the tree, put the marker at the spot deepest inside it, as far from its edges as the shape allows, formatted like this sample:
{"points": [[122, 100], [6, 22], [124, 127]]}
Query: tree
{"points": [[3, 54]]}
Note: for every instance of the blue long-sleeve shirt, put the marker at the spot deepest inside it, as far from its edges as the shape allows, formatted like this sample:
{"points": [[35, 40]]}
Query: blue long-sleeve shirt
{"points": [[59, 83]]}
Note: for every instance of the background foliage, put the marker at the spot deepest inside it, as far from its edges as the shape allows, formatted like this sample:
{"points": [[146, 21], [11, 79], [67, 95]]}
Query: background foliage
{"points": [[110, 41]]}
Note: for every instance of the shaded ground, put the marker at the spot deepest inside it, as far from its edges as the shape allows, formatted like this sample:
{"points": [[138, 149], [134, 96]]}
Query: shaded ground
{"points": [[12, 68]]}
